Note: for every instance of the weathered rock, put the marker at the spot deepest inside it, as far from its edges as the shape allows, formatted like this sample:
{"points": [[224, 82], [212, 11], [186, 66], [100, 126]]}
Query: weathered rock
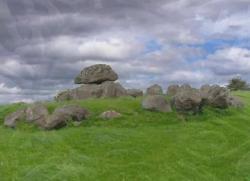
{"points": [[112, 89], [84, 92], [110, 115], [76, 112], [37, 114], [235, 102], [204, 90], [154, 90], [156, 103], [64, 96], [173, 90], [106, 89], [135, 92], [56, 121], [62, 116], [185, 87], [188, 100], [11, 119], [96, 74], [218, 97]]}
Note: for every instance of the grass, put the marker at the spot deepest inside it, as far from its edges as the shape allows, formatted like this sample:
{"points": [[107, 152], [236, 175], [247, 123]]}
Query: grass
{"points": [[139, 146]]}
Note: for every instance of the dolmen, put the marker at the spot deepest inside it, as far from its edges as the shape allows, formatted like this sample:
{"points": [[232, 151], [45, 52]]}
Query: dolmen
{"points": [[96, 81]]}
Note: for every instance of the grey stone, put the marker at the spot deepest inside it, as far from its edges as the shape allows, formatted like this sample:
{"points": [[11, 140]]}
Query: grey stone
{"points": [[96, 74], [37, 114], [154, 90], [85, 91], [135, 92], [235, 102], [185, 87], [188, 100], [64, 96], [110, 114], [218, 97], [112, 89], [77, 113], [11, 119], [204, 90], [156, 103], [63, 115], [106, 89], [56, 121], [173, 90]]}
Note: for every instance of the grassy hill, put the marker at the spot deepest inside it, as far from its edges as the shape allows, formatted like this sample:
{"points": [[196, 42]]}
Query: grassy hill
{"points": [[141, 145]]}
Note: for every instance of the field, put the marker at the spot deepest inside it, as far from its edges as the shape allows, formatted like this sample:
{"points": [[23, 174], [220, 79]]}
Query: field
{"points": [[139, 146]]}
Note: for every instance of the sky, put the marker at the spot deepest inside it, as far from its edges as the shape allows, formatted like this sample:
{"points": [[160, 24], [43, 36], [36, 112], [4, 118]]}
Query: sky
{"points": [[44, 44]]}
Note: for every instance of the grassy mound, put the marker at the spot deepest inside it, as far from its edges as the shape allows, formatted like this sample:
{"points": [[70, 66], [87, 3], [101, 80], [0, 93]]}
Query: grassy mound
{"points": [[140, 145]]}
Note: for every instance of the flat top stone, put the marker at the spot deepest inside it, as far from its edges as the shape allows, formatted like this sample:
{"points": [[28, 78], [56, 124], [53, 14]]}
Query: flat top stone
{"points": [[96, 74]]}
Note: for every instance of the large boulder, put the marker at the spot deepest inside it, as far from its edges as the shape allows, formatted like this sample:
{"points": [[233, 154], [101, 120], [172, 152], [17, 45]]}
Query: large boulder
{"points": [[156, 103], [173, 90], [204, 90], [96, 74], [154, 90], [61, 116], [187, 100], [77, 113], [218, 97], [64, 96], [11, 119], [112, 89], [83, 92], [134, 92], [56, 121], [185, 87], [37, 114], [106, 89]]}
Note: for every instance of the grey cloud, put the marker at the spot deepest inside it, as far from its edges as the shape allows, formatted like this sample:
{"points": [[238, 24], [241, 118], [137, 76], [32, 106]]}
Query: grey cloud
{"points": [[229, 61], [36, 62]]}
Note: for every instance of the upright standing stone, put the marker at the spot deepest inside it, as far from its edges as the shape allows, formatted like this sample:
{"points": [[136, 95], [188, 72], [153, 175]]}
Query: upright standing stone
{"points": [[154, 90], [156, 103], [188, 100], [205, 91], [218, 97], [173, 90]]}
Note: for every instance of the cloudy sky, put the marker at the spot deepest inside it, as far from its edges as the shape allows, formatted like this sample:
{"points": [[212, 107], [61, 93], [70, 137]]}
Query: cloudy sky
{"points": [[45, 43]]}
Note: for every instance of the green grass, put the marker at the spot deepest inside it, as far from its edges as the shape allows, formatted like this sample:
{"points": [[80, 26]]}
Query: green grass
{"points": [[139, 146]]}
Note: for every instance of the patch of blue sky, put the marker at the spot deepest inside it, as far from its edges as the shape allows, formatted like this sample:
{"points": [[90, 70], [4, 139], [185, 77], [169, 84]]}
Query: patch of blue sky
{"points": [[152, 46], [211, 46]]}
